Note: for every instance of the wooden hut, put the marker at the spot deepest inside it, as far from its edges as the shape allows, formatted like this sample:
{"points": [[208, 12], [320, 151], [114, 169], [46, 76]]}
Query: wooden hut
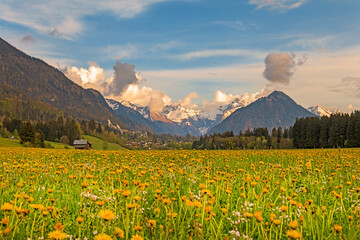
{"points": [[82, 144]]}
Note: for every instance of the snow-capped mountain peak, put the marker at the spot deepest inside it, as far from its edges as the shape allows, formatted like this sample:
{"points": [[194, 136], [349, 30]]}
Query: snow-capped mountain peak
{"points": [[177, 113], [144, 111], [323, 111]]}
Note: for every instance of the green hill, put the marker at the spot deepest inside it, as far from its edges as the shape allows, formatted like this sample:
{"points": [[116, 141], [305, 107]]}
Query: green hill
{"points": [[98, 144], [5, 142]]}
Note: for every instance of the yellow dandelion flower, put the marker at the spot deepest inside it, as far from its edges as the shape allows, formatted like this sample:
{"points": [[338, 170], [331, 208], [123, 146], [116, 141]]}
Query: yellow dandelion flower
{"points": [[79, 219], [277, 222], [337, 228], [293, 224], [102, 236], [119, 232], [293, 234], [284, 208], [107, 214], [5, 221], [137, 237], [59, 226], [7, 207], [7, 231], [138, 228], [126, 193], [57, 235], [152, 223]]}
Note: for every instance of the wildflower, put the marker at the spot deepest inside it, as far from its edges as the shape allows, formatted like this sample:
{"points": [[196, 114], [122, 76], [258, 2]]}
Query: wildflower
{"points": [[102, 236], [293, 234], [119, 233], [137, 237], [157, 210], [7, 207], [138, 228], [126, 193], [294, 224], [166, 201], [100, 203], [284, 208], [224, 210], [208, 209], [152, 223], [337, 228], [258, 216], [5, 221], [277, 222], [59, 226], [272, 217], [107, 214], [197, 204], [248, 215], [79, 219], [58, 235], [7, 231]]}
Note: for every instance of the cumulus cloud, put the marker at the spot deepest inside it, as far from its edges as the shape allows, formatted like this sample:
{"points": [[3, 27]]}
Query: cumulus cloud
{"points": [[145, 96], [28, 38], [187, 101], [123, 85], [83, 77], [124, 75], [279, 5], [280, 67]]}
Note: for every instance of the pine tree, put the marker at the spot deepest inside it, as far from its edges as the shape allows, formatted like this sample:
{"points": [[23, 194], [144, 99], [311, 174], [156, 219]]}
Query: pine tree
{"points": [[27, 133]]}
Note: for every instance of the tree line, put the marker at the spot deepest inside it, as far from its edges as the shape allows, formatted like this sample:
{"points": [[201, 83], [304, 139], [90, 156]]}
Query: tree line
{"points": [[258, 138], [338, 130]]}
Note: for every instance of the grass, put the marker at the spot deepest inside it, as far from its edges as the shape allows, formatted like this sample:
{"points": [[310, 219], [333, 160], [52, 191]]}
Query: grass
{"points": [[57, 145], [4, 142], [98, 144], [275, 194]]}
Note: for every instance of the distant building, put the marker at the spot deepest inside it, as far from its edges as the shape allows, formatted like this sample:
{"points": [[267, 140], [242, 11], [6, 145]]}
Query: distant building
{"points": [[82, 144]]}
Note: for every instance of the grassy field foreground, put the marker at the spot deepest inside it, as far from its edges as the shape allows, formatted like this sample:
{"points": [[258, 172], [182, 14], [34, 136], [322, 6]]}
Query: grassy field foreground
{"points": [[294, 194]]}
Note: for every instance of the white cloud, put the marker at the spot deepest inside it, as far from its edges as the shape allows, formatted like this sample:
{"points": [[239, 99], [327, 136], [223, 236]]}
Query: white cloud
{"points": [[221, 53], [279, 5], [65, 17], [237, 25], [84, 76], [187, 101], [145, 96]]}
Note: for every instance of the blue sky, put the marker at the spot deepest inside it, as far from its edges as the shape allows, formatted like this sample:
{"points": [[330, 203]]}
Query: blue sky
{"points": [[198, 46]]}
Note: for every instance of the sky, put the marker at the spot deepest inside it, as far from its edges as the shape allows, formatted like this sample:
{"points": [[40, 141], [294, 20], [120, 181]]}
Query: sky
{"points": [[197, 53]]}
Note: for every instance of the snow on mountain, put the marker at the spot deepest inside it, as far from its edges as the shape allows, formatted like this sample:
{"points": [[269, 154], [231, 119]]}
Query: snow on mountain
{"points": [[236, 104], [323, 111], [144, 111], [178, 113]]}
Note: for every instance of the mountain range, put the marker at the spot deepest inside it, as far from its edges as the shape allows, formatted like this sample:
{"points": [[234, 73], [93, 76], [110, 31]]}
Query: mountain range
{"points": [[46, 91]]}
